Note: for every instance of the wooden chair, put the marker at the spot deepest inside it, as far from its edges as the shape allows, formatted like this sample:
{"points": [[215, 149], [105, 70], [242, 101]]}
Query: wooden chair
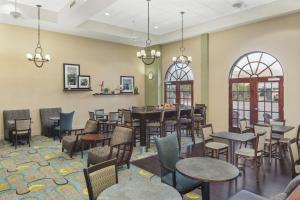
{"points": [[199, 116], [113, 120], [243, 125], [155, 128], [293, 149], [215, 148], [92, 115], [270, 144], [186, 123], [135, 125], [100, 176], [138, 109], [252, 154], [22, 129], [72, 143], [120, 146]]}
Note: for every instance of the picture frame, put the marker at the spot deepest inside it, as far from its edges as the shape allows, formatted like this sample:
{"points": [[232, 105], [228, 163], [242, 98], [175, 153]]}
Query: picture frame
{"points": [[84, 82], [71, 73], [127, 84]]}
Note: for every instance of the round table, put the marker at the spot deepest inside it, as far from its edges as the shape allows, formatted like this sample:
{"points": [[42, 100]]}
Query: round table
{"points": [[207, 170], [91, 139], [140, 189]]}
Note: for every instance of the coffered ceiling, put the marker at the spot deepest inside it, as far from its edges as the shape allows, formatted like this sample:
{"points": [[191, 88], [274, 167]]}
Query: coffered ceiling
{"points": [[125, 21]]}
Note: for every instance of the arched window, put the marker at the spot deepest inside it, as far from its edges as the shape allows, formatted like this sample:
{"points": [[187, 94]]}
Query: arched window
{"points": [[255, 89], [179, 85]]}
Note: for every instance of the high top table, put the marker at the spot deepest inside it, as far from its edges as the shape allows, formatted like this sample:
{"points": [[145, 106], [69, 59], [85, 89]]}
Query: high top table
{"points": [[140, 190], [207, 170]]}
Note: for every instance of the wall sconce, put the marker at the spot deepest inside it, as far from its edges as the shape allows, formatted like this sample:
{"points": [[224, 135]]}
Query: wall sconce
{"points": [[150, 75]]}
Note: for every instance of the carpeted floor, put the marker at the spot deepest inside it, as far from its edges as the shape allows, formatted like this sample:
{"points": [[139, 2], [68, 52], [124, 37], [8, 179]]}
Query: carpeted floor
{"points": [[42, 171]]}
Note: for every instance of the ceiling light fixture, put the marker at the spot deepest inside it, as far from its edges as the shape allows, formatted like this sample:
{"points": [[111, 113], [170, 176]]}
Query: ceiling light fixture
{"points": [[15, 14], [38, 57], [144, 53], [182, 61], [107, 14]]}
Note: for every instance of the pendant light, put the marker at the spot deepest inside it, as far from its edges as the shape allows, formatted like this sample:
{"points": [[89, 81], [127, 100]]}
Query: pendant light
{"points": [[182, 60], [148, 55], [39, 59]]}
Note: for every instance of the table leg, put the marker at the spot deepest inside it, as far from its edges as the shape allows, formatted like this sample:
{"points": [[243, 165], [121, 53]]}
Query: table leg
{"points": [[205, 191], [143, 131], [82, 145], [232, 151]]}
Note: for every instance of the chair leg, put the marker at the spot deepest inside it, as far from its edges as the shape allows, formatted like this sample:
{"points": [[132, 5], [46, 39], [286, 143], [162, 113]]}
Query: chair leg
{"points": [[16, 141], [227, 152], [128, 165]]}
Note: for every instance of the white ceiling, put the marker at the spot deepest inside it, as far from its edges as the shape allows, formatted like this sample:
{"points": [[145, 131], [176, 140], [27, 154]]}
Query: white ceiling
{"points": [[125, 21]]}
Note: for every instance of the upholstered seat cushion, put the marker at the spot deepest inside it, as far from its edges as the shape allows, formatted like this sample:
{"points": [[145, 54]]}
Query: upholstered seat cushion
{"points": [[246, 152], [69, 140], [245, 195], [216, 145], [100, 154], [183, 182], [273, 141], [153, 124], [185, 121]]}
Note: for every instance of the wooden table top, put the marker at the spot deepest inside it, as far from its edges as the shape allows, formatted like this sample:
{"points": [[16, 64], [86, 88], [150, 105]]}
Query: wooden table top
{"points": [[140, 189], [207, 169], [93, 137]]}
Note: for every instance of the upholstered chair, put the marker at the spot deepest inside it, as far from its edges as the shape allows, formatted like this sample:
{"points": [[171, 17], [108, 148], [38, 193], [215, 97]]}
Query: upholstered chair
{"points": [[120, 147], [65, 125], [294, 156], [72, 141], [212, 148], [168, 154], [130, 122], [100, 176], [47, 124], [9, 115], [22, 130]]}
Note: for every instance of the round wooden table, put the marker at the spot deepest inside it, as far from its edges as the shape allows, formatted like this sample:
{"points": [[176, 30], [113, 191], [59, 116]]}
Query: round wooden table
{"points": [[91, 139], [140, 189], [207, 170]]}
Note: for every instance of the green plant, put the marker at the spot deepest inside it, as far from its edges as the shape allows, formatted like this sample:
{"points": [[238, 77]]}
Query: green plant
{"points": [[106, 90]]}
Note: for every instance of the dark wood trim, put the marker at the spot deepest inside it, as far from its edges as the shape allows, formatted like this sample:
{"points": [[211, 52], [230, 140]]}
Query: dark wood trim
{"points": [[86, 76]]}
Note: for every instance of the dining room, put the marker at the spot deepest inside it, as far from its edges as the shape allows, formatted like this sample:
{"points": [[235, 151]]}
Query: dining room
{"points": [[130, 99]]}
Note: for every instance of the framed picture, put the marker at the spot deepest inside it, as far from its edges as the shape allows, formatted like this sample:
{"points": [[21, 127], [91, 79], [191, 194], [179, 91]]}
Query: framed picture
{"points": [[127, 83], [71, 73], [84, 81]]}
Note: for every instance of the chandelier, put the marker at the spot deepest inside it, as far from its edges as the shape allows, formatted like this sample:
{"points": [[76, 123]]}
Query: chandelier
{"points": [[147, 55], [39, 59], [182, 61]]}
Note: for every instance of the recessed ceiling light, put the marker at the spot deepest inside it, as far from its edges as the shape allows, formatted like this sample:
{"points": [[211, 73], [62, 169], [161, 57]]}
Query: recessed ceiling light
{"points": [[107, 14], [239, 4], [155, 27]]}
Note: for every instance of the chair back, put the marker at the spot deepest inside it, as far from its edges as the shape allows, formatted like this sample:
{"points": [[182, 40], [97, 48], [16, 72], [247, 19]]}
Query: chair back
{"points": [[46, 122], [162, 116], [298, 135], [267, 118], [206, 131], [260, 143], [243, 125], [138, 109], [294, 154], [152, 108], [99, 177], [262, 128], [92, 115], [66, 121], [277, 122], [168, 153], [99, 113], [120, 116], [121, 135], [22, 124], [127, 116], [113, 116], [91, 126]]}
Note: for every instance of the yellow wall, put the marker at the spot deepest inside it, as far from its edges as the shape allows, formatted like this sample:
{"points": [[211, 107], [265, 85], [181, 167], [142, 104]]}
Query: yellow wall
{"points": [[23, 86], [278, 36], [192, 48]]}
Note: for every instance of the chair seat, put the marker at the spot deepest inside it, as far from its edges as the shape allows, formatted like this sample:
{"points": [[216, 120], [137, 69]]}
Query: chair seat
{"points": [[247, 152], [185, 121], [100, 154], [153, 124], [69, 140], [284, 140], [273, 141], [20, 132], [245, 195], [216, 145], [276, 136], [183, 182], [170, 122]]}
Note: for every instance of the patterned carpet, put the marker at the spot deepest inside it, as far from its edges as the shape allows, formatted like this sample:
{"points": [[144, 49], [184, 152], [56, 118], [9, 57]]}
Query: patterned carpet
{"points": [[42, 171]]}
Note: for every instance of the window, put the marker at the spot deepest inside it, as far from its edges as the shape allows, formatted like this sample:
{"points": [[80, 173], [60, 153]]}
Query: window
{"points": [[179, 85], [255, 89]]}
